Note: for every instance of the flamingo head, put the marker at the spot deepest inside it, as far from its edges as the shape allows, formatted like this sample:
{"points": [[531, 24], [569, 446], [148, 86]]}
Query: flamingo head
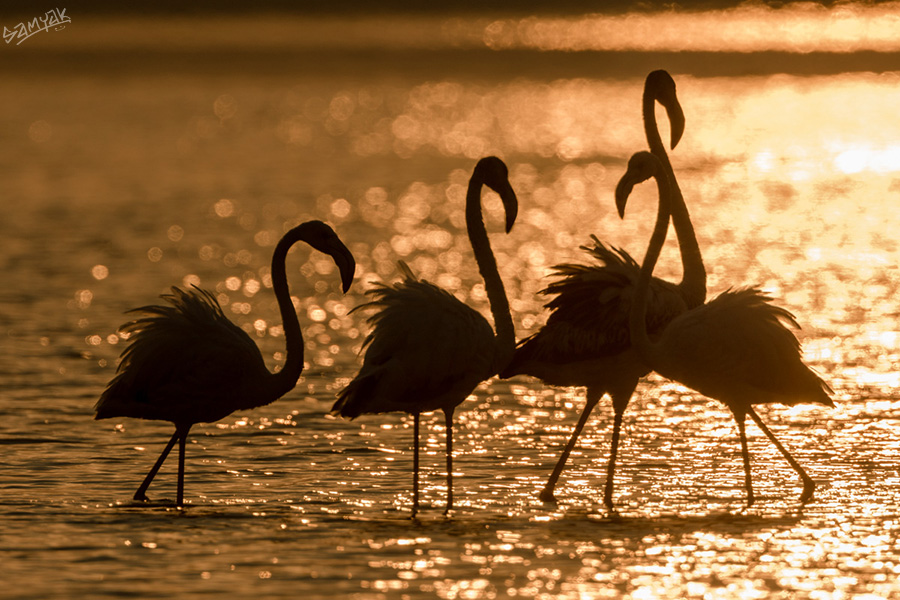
{"points": [[323, 238], [641, 167], [492, 172], [661, 85]]}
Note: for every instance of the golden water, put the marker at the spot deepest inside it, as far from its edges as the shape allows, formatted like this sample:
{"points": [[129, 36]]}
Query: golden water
{"points": [[120, 181]]}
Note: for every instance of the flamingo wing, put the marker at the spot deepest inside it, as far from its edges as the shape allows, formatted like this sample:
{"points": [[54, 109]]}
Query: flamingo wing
{"points": [[741, 344], [426, 350], [590, 308], [185, 363]]}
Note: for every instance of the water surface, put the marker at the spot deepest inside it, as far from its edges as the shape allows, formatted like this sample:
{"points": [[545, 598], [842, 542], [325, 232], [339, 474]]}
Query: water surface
{"points": [[121, 182]]}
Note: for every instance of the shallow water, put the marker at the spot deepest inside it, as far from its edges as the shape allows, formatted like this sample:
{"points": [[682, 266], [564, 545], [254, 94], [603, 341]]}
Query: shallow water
{"points": [[121, 182]]}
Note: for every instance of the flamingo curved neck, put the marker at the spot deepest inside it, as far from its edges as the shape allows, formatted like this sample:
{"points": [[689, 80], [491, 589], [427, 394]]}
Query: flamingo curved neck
{"points": [[637, 321], [505, 337], [286, 379], [693, 279]]}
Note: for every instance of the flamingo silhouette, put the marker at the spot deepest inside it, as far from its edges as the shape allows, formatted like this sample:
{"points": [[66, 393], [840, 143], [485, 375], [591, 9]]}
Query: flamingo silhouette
{"points": [[427, 350], [187, 363], [585, 340], [735, 348]]}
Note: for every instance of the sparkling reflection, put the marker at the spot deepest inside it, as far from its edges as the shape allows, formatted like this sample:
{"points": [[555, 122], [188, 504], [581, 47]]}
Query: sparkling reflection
{"points": [[791, 182], [795, 27]]}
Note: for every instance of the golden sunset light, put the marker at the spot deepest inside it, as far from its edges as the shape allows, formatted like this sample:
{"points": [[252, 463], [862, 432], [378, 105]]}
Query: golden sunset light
{"points": [[751, 27], [477, 300]]}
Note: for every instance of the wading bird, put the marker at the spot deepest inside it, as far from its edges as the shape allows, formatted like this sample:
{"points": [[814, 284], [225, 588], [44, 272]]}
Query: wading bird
{"points": [[585, 341], [187, 363], [735, 348], [427, 350]]}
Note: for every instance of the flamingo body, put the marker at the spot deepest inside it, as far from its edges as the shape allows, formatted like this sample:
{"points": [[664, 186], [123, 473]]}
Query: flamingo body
{"points": [[586, 340], [427, 350], [737, 348], [187, 363]]}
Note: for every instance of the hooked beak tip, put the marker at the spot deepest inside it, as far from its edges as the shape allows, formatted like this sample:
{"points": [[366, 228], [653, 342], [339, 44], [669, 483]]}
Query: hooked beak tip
{"points": [[676, 123], [623, 190], [347, 266], [511, 206], [676, 137]]}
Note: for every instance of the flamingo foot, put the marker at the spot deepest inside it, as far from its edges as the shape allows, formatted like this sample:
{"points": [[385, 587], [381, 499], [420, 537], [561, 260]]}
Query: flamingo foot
{"points": [[546, 495], [140, 497], [808, 487], [608, 495]]}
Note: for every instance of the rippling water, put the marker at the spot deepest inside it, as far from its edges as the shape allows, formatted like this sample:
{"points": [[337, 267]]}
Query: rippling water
{"points": [[120, 180]]}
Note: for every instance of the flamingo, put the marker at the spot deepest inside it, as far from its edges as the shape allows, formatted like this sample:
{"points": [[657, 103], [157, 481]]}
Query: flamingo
{"points": [[585, 341], [427, 350], [736, 348], [187, 363]]}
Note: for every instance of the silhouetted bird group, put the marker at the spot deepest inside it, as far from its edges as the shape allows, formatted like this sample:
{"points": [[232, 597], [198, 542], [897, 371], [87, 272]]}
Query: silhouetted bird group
{"points": [[610, 323]]}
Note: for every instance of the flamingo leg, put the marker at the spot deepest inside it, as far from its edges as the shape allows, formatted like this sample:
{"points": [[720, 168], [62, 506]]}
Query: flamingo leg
{"points": [[620, 399], [182, 439], [448, 416], [808, 484], [591, 400], [611, 467], [746, 454], [415, 464], [141, 493]]}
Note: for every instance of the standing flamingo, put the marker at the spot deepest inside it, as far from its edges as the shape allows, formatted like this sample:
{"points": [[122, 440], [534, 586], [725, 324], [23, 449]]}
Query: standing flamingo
{"points": [[585, 340], [187, 363], [735, 348], [427, 350]]}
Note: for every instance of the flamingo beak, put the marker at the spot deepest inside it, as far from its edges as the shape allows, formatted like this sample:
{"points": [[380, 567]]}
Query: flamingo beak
{"points": [[510, 203], [641, 167], [345, 262], [676, 119], [623, 190]]}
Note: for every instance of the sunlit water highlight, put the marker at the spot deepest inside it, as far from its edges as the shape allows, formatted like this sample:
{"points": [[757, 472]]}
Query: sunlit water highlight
{"points": [[118, 187], [749, 27]]}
